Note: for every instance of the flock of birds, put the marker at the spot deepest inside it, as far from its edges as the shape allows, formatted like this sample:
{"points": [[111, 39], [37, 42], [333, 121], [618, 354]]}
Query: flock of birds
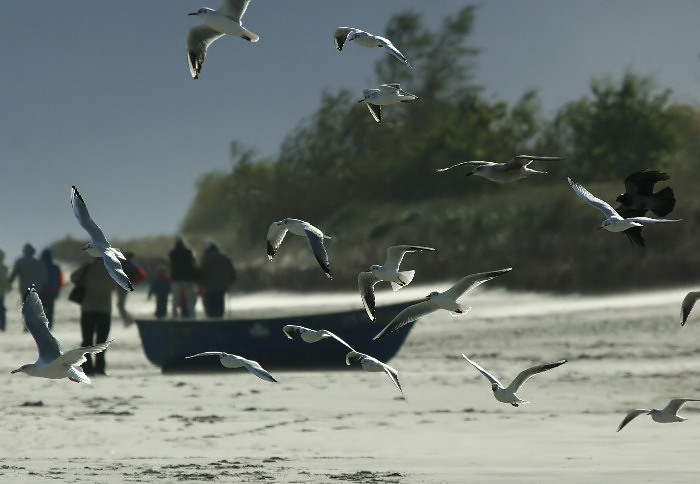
{"points": [[628, 217]]}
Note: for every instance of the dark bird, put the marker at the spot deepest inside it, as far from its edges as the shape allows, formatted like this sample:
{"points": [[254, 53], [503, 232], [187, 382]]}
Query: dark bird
{"points": [[639, 197]]}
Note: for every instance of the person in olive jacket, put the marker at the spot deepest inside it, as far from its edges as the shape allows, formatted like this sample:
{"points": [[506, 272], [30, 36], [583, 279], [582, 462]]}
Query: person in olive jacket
{"points": [[216, 276]]}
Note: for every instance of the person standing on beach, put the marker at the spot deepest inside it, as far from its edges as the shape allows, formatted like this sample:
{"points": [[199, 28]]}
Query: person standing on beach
{"points": [[30, 271], [216, 276], [54, 282], [95, 310], [183, 274], [160, 288], [4, 286]]}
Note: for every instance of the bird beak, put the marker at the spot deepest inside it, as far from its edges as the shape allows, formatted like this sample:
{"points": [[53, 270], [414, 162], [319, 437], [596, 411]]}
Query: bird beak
{"points": [[193, 13], [360, 101], [15, 371]]}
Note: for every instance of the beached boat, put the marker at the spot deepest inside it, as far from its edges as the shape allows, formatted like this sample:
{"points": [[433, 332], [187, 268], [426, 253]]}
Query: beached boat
{"points": [[167, 342]]}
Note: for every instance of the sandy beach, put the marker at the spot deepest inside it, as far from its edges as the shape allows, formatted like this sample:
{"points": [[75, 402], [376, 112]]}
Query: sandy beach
{"points": [[138, 425]]}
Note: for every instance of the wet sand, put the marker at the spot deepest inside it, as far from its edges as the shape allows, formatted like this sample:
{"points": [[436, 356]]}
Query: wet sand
{"points": [[138, 425]]}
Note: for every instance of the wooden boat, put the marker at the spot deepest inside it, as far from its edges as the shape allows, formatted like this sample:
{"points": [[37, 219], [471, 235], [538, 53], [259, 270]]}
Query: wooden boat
{"points": [[167, 342]]}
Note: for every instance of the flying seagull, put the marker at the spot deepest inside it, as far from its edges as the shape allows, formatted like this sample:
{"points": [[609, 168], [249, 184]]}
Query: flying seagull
{"points": [[515, 169], [667, 414], [52, 362], [365, 39], [508, 394], [234, 361], [385, 95], [99, 246], [687, 305], [639, 197], [217, 23], [441, 300], [388, 272], [368, 363], [277, 231], [613, 221]]}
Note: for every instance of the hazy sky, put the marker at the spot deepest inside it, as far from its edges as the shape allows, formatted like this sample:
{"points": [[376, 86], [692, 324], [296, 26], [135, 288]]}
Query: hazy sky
{"points": [[98, 94]]}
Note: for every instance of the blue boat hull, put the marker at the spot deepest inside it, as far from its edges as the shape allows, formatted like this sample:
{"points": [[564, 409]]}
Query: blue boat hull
{"points": [[167, 342]]}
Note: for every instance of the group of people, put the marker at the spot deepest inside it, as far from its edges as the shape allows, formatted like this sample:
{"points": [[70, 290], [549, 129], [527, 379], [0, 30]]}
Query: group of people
{"points": [[185, 280]]}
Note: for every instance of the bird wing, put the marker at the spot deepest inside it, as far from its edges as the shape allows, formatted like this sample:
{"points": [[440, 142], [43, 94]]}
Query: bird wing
{"points": [[408, 315], [604, 207], [339, 36], [315, 238], [81, 213], [630, 416], [255, 368], [365, 283], [114, 268], [524, 375], [519, 161], [220, 354], [275, 236], [634, 234], [649, 220], [392, 49], [687, 305], [233, 9], [38, 325], [394, 255], [77, 356], [642, 182], [472, 164], [467, 283], [338, 339], [676, 404], [393, 374], [376, 111], [198, 40], [486, 374]]}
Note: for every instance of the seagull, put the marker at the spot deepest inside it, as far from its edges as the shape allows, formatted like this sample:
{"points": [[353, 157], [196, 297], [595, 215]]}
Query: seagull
{"points": [[234, 361], [385, 95], [687, 305], [99, 246], [639, 197], [613, 221], [367, 362], [667, 414], [52, 362], [507, 394], [515, 169], [388, 272], [365, 39], [441, 300], [217, 23], [277, 231]]}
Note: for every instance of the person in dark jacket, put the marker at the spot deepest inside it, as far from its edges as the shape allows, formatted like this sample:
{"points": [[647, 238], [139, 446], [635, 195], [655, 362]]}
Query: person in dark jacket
{"points": [[30, 271], [54, 282], [183, 275], [216, 276]]}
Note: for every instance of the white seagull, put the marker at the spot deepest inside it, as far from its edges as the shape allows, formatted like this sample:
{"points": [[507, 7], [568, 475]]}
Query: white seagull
{"points": [[368, 363], [613, 221], [277, 231], [687, 305], [52, 362], [385, 95], [365, 39], [217, 23], [507, 394], [515, 169], [234, 361], [667, 414], [99, 246], [388, 272], [441, 300]]}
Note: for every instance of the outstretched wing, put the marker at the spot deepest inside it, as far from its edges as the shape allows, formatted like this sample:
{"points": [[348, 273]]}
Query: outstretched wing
{"points": [[198, 41], [220, 354], [77, 356], [394, 375], [486, 374], [524, 375], [592, 200], [316, 242], [642, 182], [519, 161], [255, 368], [631, 416], [365, 283], [467, 283], [676, 404], [649, 220], [687, 305], [393, 50], [114, 268], [634, 235], [472, 164], [394, 255], [81, 213], [38, 325], [275, 236], [340, 35], [408, 315], [234, 9], [376, 111]]}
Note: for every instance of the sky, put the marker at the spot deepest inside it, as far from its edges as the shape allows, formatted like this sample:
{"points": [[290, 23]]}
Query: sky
{"points": [[98, 94]]}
